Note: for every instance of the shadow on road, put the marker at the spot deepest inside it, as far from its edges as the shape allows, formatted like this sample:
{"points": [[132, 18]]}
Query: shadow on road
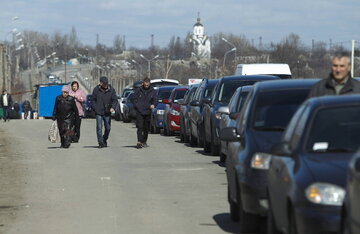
{"points": [[54, 147], [224, 222], [204, 153], [91, 146], [130, 146], [221, 164]]}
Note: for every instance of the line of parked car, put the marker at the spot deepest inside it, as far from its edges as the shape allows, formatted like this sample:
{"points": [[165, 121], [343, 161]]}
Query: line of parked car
{"points": [[292, 163]]}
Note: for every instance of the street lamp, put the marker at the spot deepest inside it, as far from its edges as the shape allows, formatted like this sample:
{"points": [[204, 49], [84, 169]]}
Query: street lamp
{"points": [[228, 42], [229, 51], [149, 61]]}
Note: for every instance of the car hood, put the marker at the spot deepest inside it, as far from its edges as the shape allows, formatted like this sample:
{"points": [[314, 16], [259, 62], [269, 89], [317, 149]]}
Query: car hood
{"points": [[265, 140], [324, 166]]}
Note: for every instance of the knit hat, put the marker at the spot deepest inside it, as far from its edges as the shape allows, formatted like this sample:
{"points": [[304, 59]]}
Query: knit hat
{"points": [[65, 88]]}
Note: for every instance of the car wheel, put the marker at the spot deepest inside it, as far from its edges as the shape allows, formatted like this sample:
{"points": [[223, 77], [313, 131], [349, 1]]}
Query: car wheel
{"points": [[271, 226], [249, 223], [157, 129], [192, 139], [292, 223], [207, 146], [199, 141], [234, 208], [222, 157], [214, 148], [186, 137]]}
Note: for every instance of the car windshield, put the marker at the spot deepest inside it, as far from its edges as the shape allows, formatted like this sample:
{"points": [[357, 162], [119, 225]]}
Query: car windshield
{"points": [[273, 110], [179, 94], [164, 94], [227, 89], [335, 130]]}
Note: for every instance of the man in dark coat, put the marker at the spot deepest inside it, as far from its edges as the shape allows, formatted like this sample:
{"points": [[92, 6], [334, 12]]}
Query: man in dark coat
{"points": [[144, 100], [26, 109], [66, 113], [339, 81], [104, 102], [6, 104]]}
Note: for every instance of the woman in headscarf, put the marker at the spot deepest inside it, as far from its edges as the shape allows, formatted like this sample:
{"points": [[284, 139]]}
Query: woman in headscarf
{"points": [[80, 98], [66, 114]]}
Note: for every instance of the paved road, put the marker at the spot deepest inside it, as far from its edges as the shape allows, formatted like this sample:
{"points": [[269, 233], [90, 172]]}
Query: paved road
{"points": [[167, 188]]}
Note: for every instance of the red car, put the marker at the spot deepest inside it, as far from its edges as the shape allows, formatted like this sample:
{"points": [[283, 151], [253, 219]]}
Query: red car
{"points": [[172, 111]]}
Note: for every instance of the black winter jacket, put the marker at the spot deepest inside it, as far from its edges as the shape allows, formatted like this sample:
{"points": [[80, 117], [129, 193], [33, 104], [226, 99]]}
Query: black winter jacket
{"points": [[143, 98], [103, 100], [65, 109], [326, 87]]}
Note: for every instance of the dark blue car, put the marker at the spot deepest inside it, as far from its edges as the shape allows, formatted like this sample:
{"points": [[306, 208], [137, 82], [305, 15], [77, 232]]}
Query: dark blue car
{"points": [[262, 121], [307, 173], [157, 115]]}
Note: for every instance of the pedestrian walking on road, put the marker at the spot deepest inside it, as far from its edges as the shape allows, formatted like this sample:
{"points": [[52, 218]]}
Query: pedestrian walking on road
{"points": [[26, 109], [104, 102], [339, 82], [80, 98], [144, 100], [6, 104], [66, 114]]}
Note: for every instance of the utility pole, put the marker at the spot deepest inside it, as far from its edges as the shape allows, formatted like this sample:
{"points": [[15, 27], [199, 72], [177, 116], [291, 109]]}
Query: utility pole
{"points": [[352, 57]]}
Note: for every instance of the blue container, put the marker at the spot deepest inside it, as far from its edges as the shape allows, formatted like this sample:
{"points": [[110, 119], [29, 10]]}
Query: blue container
{"points": [[47, 96]]}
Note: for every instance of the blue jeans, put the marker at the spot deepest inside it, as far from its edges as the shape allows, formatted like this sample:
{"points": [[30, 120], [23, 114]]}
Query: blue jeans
{"points": [[107, 124]]}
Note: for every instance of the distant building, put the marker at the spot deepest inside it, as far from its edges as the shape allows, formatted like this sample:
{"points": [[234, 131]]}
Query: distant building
{"points": [[200, 41]]}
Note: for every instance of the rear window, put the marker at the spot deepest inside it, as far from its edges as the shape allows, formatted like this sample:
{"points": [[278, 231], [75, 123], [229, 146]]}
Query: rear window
{"points": [[228, 89], [179, 94], [164, 94], [273, 110], [340, 133]]}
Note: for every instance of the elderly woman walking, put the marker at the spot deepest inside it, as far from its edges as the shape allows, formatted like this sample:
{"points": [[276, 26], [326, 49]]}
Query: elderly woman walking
{"points": [[66, 114], [80, 98]]}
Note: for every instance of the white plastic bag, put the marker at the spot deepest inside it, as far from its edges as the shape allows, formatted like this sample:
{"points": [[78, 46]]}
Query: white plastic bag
{"points": [[53, 134]]}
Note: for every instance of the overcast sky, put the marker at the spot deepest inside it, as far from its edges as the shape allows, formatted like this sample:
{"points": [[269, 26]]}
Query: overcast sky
{"points": [[272, 20]]}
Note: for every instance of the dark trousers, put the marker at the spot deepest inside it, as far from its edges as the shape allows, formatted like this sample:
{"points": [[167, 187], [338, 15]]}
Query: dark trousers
{"points": [[107, 124], [142, 124], [65, 132], [6, 112], [76, 136]]}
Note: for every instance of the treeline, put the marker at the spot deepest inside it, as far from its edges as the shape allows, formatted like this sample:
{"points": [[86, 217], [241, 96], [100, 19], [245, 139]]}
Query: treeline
{"points": [[175, 59]]}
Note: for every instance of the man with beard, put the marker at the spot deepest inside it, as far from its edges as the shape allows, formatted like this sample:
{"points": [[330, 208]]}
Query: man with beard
{"points": [[144, 101], [66, 114]]}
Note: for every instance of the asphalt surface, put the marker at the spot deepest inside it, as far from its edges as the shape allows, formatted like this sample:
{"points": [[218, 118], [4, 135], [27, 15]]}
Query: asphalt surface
{"points": [[166, 188]]}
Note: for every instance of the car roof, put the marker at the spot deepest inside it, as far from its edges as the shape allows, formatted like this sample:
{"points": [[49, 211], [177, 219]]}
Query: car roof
{"points": [[250, 77], [167, 87], [283, 84], [336, 100], [181, 88]]}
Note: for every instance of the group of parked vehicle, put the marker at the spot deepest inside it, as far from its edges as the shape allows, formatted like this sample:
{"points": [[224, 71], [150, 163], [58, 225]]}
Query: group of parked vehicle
{"points": [[292, 164]]}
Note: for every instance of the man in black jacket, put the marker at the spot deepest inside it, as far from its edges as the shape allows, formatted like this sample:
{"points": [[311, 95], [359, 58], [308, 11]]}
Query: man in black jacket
{"points": [[66, 113], [144, 101], [104, 101], [339, 81]]}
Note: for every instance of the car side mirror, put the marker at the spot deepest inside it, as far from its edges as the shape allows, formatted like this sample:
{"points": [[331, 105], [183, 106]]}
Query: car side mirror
{"points": [[224, 110], [206, 100], [194, 103], [234, 115], [229, 134], [281, 149], [124, 101]]}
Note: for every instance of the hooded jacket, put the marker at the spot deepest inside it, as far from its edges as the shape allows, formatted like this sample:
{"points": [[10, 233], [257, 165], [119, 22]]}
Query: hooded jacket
{"points": [[103, 100], [143, 98], [326, 87]]}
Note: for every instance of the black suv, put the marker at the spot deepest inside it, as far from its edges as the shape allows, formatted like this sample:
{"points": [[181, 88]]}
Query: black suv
{"points": [[221, 96], [196, 124]]}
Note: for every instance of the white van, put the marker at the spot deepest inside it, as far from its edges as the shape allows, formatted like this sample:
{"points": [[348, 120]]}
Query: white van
{"points": [[281, 70]]}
